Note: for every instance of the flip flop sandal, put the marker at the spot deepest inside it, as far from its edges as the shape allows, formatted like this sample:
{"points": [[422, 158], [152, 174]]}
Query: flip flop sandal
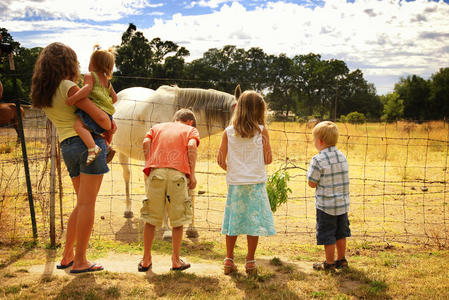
{"points": [[229, 269], [183, 266], [141, 268], [61, 266], [93, 268]]}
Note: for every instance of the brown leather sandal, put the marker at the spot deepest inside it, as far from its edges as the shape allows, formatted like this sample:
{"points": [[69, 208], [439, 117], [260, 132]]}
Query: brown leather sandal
{"points": [[230, 268]]}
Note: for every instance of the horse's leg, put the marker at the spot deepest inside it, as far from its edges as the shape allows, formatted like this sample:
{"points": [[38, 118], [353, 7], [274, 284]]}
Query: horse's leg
{"points": [[124, 161], [191, 231]]}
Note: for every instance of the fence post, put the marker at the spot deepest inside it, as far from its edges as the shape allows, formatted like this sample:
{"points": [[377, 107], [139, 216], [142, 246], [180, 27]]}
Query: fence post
{"points": [[52, 185], [25, 162]]}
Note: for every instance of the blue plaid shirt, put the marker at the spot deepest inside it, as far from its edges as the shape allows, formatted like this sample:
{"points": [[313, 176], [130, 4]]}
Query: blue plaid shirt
{"points": [[329, 170]]}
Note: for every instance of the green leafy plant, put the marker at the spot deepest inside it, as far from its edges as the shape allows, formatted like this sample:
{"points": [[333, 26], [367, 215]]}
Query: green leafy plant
{"points": [[278, 189]]}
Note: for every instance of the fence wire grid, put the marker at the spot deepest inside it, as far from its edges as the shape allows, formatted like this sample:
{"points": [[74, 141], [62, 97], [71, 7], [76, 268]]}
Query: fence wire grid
{"points": [[398, 183]]}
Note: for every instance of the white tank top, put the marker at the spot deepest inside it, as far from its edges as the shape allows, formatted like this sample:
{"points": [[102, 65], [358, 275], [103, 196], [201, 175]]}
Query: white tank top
{"points": [[245, 159]]}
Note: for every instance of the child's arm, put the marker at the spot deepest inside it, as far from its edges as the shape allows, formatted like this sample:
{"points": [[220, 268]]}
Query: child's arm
{"points": [[268, 158], [83, 92], [192, 153], [146, 147], [223, 151], [96, 113], [112, 93]]}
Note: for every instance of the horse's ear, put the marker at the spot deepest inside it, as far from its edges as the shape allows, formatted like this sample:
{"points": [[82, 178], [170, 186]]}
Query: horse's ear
{"points": [[238, 92]]}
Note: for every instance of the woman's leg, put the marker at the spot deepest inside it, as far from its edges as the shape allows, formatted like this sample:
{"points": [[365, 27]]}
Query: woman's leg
{"points": [[84, 134], [67, 255], [87, 195], [97, 114]]}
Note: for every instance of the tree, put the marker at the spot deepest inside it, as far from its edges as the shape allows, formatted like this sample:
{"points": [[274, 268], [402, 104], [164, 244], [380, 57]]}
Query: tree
{"points": [[140, 62], [439, 94], [393, 107], [356, 94], [24, 60], [415, 92]]}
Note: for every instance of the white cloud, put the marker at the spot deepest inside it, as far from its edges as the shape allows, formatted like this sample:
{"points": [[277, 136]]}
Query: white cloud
{"points": [[99, 10], [382, 37], [389, 38], [207, 3]]}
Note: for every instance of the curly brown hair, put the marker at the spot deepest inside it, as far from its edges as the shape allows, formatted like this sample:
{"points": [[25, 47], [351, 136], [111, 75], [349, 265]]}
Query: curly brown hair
{"points": [[55, 63]]}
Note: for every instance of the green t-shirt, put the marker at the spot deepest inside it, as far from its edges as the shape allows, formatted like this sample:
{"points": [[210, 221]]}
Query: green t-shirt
{"points": [[60, 114], [100, 96]]}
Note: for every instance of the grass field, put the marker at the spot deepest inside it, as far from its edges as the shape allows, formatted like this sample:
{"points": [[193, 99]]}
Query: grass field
{"points": [[399, 221]]}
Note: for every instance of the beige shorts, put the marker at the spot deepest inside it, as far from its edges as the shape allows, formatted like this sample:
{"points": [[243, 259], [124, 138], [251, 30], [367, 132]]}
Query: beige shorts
{"points": [[166, 187]]}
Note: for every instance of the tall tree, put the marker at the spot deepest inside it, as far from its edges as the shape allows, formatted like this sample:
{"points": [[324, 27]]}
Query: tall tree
{"points": [[439, 96], [415, 92]]}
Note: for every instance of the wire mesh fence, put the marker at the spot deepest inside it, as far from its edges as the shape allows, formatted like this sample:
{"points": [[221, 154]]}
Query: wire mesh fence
{"points": [[398, 183]]}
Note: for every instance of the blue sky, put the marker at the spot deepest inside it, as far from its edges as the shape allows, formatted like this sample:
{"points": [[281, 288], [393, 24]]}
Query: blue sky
{"points": [[386, 39]]}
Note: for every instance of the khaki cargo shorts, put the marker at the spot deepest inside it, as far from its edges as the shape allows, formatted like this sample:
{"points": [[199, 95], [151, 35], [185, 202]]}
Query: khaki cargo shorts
{"points": [[167, 189]]}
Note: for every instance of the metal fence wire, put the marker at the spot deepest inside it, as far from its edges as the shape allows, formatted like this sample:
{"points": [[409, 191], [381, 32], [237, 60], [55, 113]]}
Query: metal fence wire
{"points": [[398, 183]]}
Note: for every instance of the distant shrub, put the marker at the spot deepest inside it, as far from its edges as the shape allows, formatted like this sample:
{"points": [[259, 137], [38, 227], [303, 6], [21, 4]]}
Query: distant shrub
{"points": [[356, 118], [343, 119]]}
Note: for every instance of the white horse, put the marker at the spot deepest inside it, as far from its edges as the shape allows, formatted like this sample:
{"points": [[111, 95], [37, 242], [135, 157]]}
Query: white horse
{"points": [[137, 109]]}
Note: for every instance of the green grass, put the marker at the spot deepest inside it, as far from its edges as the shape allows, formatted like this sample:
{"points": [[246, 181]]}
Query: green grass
{"points": [[376, 271]]}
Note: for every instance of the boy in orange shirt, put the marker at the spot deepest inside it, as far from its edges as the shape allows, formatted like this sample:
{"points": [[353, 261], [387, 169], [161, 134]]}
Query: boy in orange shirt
{"points": [[170, 151]]}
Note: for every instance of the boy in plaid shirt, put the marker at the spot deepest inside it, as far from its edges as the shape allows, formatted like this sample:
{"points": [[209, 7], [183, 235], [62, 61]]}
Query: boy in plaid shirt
{"points": [[328, 173]]}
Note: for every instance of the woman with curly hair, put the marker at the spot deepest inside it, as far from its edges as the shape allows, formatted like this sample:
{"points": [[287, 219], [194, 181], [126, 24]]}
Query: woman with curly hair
{"points": [[55, 74]]}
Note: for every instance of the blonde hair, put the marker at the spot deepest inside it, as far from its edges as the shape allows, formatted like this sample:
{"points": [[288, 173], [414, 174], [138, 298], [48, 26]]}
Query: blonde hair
{"points": [[55, 63], [326, 131], [249, 113], [103, 60]]}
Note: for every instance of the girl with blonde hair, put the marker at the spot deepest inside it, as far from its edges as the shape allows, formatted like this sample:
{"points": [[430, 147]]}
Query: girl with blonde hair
{"points": [[98, 88], [244, 152]]}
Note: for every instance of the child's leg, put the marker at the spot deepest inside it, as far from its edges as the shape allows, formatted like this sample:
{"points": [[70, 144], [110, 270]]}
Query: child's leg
{"points": [[330, 253], [108, 133], [252, 246], [341, 248], [84, 134], [96, 113], [148, 238], [230, 244]]}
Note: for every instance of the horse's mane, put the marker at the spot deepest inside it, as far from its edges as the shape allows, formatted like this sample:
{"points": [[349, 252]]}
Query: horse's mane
{"points": [[216, 105]]}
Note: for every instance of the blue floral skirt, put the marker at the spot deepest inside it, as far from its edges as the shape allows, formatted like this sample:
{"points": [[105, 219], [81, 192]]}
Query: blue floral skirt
{"points": [[248, 211]]}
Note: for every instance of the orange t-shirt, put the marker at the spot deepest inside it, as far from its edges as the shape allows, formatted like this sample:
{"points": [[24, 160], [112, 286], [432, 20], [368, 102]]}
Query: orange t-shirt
{"points": [[169, 146]]}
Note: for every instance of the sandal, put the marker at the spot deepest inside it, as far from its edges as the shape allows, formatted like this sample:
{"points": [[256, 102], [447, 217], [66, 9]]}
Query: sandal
{"points": [[110, 152], [324, 266], [231, 268], [92, 154], [341, 263], [251, 271]]}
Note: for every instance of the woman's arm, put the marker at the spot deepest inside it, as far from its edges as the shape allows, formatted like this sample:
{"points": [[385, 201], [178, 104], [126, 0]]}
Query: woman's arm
{"points": [[223, 152], [83, 92], [97, 114], [266, 147]]}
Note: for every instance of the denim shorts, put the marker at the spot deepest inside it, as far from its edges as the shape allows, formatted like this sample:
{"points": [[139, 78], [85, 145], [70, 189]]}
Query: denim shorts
{"points": [[89, 123], [74, 153], [331, 228]]}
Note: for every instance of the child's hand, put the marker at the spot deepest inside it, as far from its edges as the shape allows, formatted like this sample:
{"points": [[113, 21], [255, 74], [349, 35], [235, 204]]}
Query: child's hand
{"points": [[192, 182], [70, 101], [113, 127]]}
